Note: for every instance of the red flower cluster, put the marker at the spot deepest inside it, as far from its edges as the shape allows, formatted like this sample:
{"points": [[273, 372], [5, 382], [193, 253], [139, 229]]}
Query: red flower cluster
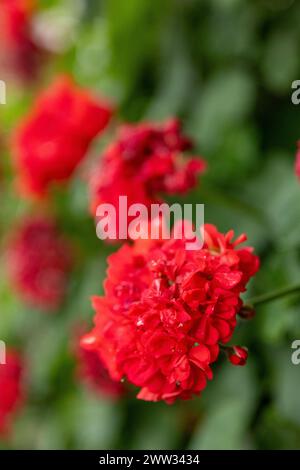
{"points": [[55, 137], [166, 310], [19, 50], [11, 393], [39, 260], [92, 371], [145, 161]]}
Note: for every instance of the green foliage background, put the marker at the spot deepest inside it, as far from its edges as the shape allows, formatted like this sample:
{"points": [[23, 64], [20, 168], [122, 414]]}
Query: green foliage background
{"points": [[226, 68]]}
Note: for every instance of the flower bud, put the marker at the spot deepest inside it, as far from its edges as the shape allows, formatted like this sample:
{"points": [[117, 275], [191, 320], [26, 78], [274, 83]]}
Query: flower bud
{"points": [[247, 312], [237, 355]]}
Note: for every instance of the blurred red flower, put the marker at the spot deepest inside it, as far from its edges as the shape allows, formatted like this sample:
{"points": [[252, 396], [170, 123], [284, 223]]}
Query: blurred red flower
{"points": [[19, 51], [144, 162], [39, 260], [92, 371], [11, 394], [166, 309], [55, 137]]}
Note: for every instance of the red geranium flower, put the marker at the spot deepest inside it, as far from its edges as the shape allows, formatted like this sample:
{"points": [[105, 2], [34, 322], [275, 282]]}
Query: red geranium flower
{"points": [[39, 260], [19, 50], [11, 393], [56, 135], [144, 162], [166, 310]]}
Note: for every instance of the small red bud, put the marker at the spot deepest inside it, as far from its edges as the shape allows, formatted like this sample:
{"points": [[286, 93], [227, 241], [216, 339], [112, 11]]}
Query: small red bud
{"points": [[237, 355]]}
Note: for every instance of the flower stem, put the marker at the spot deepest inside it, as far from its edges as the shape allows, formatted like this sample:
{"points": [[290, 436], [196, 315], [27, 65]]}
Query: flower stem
{"points": [[264, 298]]}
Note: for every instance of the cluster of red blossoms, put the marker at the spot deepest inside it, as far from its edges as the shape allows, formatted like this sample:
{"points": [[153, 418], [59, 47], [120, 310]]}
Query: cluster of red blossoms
{"points": [[144, 162], [54, 138], [167, 310], [19, 51], [39, 260], [11, 394]]}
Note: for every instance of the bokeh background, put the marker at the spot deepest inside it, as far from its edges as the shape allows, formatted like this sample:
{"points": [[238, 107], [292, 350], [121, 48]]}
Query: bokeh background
{"points": [[225, 67]]}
